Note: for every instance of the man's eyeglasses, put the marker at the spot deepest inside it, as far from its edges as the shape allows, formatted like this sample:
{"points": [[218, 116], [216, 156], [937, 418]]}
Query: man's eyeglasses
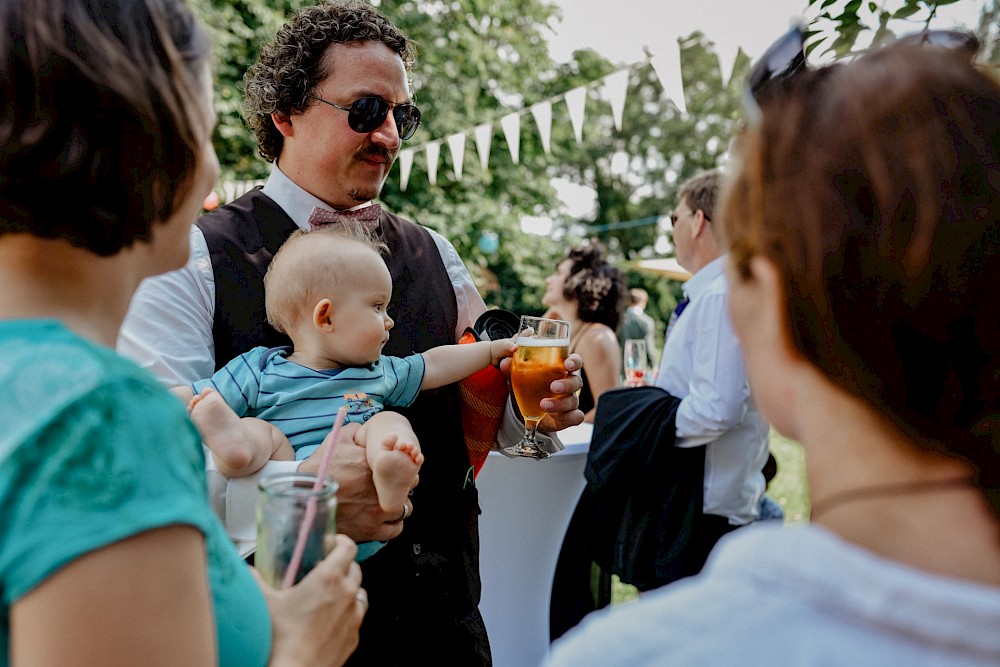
{"points": [[786, 58], [673, 216], [368, 113]]}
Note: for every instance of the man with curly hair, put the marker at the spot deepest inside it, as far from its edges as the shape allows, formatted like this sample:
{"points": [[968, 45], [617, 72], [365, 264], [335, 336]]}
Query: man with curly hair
{"points": [[330, 102]]}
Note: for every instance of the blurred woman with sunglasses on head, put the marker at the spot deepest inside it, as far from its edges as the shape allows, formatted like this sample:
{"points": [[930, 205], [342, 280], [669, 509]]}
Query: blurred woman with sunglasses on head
{"points": [[109, 551], [863, 223]]}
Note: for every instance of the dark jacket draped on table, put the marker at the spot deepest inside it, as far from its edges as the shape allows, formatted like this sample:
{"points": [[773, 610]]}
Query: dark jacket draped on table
{"points": [[647, 493]]}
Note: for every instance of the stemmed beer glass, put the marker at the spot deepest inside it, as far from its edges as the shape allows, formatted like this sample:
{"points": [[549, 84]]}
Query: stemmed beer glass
{"points": [[542, 348]]}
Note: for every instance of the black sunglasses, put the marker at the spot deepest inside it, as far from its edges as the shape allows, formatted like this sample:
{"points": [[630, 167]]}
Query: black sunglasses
{"points": [[786, 58], [368, 113]]}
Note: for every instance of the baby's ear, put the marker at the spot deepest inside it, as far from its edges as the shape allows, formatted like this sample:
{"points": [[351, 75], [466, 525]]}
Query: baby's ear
{"points": [[323, 316]]}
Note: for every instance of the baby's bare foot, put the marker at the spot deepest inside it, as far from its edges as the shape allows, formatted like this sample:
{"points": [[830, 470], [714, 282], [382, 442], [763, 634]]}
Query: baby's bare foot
{"points": [[221, 430], [394, 473], [412, 449]]}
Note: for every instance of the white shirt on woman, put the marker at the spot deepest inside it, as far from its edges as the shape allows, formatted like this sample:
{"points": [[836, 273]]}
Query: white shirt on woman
{"points": [[797, 596]]}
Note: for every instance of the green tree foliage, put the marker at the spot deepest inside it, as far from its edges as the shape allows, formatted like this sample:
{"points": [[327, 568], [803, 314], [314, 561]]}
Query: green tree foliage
{"points": [[865, 17], [477, 61], [238, 28], [636, 171]]}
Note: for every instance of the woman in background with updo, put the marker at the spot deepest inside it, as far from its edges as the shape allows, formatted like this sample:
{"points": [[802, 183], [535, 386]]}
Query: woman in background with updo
{"points": [[589, 293]]}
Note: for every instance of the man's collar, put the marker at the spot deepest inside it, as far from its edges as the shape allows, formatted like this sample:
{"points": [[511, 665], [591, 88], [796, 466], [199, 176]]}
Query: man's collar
{"points": [[292, 199], [705, 275]]}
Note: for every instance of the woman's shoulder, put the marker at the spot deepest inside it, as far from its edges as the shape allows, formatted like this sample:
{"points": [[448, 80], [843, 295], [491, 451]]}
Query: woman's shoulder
{"points": [[597, 336], [46, 367]]}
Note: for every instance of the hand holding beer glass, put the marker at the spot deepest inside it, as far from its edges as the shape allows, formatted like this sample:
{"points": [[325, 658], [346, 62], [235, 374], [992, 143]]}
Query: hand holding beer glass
{"points": [[542, 348]]}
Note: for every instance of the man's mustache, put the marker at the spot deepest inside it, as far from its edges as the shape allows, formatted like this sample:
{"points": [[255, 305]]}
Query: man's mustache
{"points": [[374, 152]]}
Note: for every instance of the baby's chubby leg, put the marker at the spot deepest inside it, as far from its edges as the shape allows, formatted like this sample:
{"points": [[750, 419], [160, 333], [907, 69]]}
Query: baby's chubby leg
{"points": [[394, 456], [239, 446]]}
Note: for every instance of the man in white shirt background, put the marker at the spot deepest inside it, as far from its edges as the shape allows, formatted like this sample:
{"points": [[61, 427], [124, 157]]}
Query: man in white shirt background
{"points": [[703, 366]]}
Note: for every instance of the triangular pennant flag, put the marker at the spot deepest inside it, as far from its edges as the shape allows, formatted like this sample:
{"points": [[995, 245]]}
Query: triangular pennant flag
{"points": [[405, 165], [668, 69], [576, 100], [511, 124], [543, 119], [433, 153], [484, 136], [456, 144], [727, 51], [615, 88]]}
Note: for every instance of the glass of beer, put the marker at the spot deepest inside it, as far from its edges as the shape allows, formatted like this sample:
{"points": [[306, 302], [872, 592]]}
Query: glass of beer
{"points": [[636, 364], [542, 348]]}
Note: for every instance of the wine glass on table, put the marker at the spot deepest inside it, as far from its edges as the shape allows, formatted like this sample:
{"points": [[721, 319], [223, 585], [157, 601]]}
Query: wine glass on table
{"points": [[636, 363], [542, 348]]}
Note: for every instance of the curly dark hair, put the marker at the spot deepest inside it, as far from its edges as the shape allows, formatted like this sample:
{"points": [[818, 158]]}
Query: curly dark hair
{"points": [[597, 286], [289, 68], [102, 117]]}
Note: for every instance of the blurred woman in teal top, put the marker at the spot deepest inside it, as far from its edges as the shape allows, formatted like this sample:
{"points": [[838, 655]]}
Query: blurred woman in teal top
{"points": [[109, 551]]}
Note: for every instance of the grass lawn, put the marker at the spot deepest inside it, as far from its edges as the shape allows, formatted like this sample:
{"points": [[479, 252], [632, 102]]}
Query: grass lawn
{"points": [[788, 487]]}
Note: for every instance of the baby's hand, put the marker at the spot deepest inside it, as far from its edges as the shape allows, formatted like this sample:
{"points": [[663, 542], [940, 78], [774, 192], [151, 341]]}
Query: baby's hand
{"points": [[501, 349]]}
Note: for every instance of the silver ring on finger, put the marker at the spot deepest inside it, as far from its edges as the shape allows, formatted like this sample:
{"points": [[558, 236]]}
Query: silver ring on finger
{"points": [[362, 597]]}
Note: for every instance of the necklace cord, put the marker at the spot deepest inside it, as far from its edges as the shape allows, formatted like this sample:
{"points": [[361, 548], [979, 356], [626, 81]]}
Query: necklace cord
{"points": [[884, 490]]}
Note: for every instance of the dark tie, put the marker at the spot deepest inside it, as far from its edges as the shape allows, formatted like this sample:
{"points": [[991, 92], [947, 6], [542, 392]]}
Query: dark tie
{"points": [[367, 216], [681, 305]]}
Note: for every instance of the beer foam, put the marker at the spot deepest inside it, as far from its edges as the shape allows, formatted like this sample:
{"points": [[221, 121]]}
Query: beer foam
{"points": [[542, 342]]}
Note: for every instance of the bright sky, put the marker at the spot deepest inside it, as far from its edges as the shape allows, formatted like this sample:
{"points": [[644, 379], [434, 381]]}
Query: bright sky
{"points": [[618, 29]]}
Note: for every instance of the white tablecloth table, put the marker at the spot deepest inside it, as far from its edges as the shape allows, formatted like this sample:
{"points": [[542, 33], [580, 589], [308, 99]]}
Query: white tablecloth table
{"points": [[526, 505]]}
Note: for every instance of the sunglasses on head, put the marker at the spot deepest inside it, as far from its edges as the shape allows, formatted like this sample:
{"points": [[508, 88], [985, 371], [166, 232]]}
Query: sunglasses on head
{"points": [[781, 62], [786, 58], [368, 113]]}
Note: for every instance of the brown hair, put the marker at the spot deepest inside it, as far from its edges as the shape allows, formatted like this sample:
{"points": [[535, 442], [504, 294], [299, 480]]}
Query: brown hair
{"points": [[597, 286], [308, 265], [99, 129], [701, 192], [289, 68], [874, 187]]}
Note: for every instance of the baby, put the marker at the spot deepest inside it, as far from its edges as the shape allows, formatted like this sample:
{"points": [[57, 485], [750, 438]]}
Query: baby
{"points": [[328, 289]]}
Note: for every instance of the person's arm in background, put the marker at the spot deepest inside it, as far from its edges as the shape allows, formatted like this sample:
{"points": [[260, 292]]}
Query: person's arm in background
{"points": [[563, 410], [168, 331], [600, 347], [717, 389]]}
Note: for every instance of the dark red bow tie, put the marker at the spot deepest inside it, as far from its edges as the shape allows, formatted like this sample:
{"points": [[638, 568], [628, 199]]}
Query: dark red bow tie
{"points": [[367, 216]]}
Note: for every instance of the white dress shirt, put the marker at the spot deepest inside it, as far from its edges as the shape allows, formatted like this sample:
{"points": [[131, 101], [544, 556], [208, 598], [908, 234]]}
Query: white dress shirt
{"points": [[168, 331], [703, 366]]}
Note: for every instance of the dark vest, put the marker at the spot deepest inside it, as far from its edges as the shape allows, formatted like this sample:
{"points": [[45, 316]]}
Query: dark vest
{"points": [[425, 583]]}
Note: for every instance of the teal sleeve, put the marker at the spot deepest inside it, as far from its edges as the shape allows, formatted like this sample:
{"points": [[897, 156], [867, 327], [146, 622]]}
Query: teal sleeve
{"points": [[404, 375], [119, 461], [238, 382]]}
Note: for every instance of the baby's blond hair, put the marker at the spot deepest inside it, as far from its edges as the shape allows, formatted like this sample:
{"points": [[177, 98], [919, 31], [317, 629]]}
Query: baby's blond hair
{"points": [[309, 264]]}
